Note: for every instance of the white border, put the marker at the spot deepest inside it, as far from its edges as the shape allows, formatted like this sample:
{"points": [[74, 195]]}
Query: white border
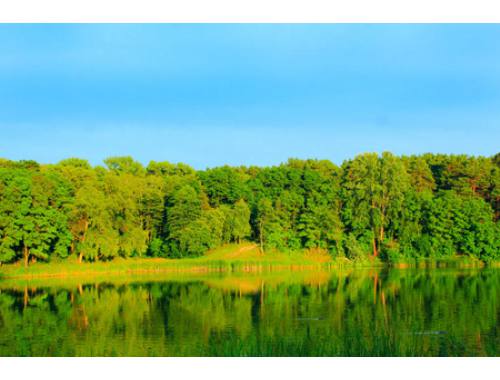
{"points": [[248, 368], [249, 11]]}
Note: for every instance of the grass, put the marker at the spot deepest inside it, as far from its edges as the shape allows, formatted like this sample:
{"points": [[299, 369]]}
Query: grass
{"points": [[245, 257], [458, 261], [231, 257]]}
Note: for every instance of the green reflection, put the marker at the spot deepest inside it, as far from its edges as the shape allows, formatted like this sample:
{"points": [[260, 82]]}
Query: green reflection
{"points": [[438, 312]]}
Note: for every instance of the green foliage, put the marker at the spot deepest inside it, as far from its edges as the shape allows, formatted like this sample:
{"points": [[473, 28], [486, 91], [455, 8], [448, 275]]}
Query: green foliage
{"points": [[124, 165], [357, 248], [394, 208], [374, 190], [203, 233], [183, 208], [236, 222], [32, 222], [223, 185], [156, 248], [345, 313]]}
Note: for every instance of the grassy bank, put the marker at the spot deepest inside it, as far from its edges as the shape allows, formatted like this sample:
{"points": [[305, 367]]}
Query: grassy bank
{"points": [[243, 257], [450, 262], [229, 258]]}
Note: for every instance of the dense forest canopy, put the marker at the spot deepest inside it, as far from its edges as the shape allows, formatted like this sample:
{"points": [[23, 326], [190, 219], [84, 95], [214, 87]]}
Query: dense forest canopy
{"points": [[385, 206]]}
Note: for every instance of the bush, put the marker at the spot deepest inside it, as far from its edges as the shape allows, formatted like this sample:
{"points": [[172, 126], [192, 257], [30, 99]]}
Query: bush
{"points": [[355, 249]]}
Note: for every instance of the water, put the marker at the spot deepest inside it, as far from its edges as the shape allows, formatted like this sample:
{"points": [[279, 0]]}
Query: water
{"points": [[439, 312]]}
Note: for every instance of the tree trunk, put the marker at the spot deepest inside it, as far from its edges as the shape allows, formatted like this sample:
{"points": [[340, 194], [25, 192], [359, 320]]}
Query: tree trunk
{"points": [[26, 254], [261, 237], [375, 252], [85, 229]]}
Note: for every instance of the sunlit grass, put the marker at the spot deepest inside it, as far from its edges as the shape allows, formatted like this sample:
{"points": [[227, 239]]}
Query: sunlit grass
{"points": [[245, 257], [232, 257]]}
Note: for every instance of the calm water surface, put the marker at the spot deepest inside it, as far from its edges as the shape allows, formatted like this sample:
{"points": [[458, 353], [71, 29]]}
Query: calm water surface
{"points": [[439, 312]]}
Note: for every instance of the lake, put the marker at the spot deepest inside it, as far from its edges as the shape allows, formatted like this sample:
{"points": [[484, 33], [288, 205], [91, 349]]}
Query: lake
{"points": [[358, 312]]}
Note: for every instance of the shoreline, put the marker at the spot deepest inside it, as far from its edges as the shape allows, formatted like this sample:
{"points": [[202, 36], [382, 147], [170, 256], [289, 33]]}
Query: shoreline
{"points": [[244, 258], [127, 267]]}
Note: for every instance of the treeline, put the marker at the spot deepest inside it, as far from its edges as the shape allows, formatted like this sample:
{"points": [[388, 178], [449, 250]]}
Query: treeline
{"points": [[393, 208]]}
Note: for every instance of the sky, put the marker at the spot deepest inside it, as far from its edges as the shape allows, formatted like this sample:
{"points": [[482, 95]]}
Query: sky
{"points": [[247, 94]]}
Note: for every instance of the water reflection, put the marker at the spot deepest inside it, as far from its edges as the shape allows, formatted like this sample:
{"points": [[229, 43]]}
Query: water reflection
{"points": [[370, 313]]}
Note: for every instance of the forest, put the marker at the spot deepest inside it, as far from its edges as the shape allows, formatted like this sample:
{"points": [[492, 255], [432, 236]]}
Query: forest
{"points": [[382, 206]]}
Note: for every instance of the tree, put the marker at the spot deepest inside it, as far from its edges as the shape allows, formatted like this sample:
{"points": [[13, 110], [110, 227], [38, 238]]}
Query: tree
{"points": [[374, 189], [92, 225], [223, 185], [152, 205], [124, 192], [479, 235], [33, 223], [183, 208], [90, 217], [202, 234], [320, 226], [443, 223], [420, 174], [241, 221], [394, 208], [265, 220], [124, 164]]}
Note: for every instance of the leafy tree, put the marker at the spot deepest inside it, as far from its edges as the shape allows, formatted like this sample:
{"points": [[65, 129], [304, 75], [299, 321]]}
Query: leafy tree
{"points": [[480, 235], [394, 208], [266, 221], [124, 164], [123, 192], [183, 208], [241, 221], [374, 189], [420, 174], [32, 223], [152, 206], [223, 185], [320, 226], [202, 234], [443, 223]]}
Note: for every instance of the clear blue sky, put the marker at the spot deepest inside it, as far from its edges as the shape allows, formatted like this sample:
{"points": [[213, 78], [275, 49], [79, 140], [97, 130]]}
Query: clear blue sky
{"points": [[247, 94]]}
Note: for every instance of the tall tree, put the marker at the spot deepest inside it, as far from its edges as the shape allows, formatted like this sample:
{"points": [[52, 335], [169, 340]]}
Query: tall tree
{"points": [[183, 208], [374, 192], [241, 221], [32, 224]]}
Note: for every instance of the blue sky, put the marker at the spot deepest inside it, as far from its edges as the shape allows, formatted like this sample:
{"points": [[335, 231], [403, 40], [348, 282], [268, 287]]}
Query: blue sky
{"points": [[214, 94]]}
